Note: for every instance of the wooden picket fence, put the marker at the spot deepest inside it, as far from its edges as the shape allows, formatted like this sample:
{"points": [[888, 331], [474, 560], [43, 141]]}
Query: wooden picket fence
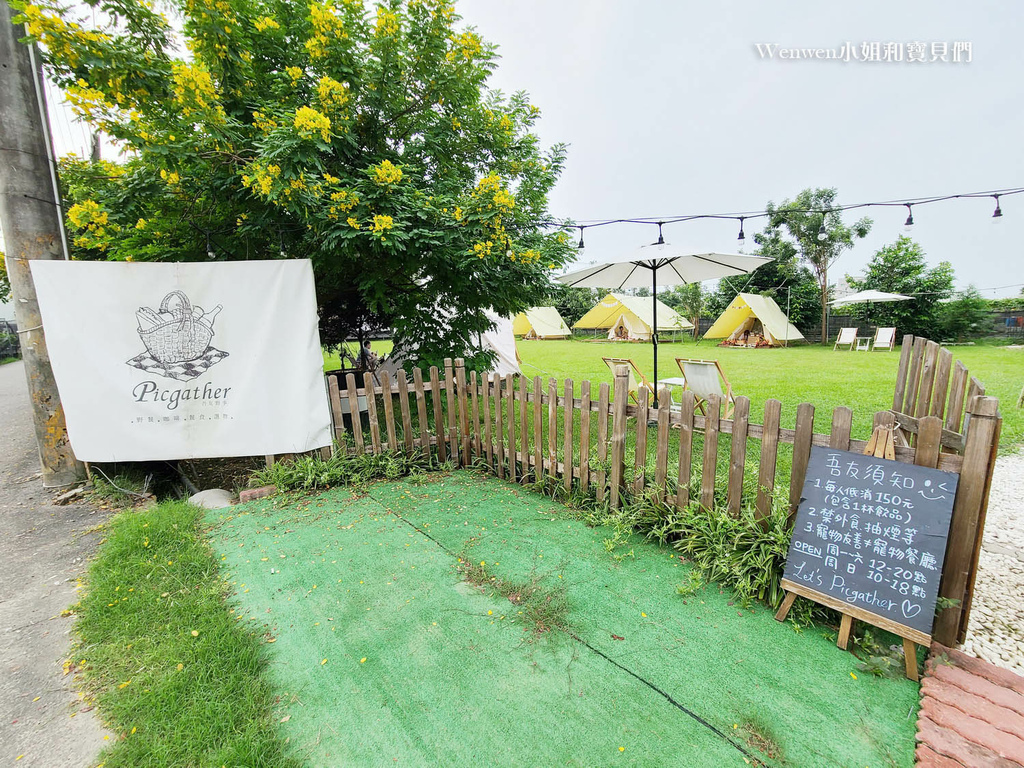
{"points": [[511, 426]]}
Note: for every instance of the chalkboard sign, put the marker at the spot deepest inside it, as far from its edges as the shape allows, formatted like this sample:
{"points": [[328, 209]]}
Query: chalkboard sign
{"points": [[871, 534]]}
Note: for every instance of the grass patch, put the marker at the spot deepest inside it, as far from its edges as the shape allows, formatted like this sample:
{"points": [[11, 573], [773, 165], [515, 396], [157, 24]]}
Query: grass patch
{"points": [[176, 676], [6, 360], [311, 472], [539, 606]]}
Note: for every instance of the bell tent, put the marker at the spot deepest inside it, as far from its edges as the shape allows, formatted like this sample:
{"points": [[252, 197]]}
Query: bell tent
{"points": [[631, 317], [752, 320], [540, 323]]}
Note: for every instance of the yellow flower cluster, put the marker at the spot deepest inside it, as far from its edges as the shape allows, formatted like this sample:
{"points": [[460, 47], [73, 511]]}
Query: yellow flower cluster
{"points": [[465, 47], [343, 201], [382, 223], [327, 26], [308, 121], [263, 123], [295, 73], [490, 186], [140, 224], [483, 249], [194, 89], [264, 23], [86, 100], [63, 39], [332, 94], [353, 222], [262, 179], [87, 212], [387, 174], [171, 178], [387, 23]]}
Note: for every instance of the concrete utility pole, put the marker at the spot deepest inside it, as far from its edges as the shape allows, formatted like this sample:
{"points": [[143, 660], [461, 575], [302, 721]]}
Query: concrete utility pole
{"points": [[32, 229]]}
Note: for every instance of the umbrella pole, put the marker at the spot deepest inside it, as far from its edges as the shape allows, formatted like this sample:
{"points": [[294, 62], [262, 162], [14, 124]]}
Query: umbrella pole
{"points": [[654, 331]]}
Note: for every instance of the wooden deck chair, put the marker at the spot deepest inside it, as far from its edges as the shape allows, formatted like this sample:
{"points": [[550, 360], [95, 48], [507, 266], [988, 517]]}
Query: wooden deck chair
{"points": [[636, 377], [847, 338], [885, 338], [705, 378]]}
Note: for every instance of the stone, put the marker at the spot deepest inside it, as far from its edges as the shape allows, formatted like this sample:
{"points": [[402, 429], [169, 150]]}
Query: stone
{"points": [[213, 498]]}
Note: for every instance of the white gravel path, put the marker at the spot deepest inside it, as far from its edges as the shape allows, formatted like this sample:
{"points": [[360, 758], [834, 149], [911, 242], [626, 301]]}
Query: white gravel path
{"points": [[996, 631]]}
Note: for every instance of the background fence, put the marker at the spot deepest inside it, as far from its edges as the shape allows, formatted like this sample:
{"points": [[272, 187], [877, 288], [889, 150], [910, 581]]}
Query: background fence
{"points": [[590, 439], [10, 345]]}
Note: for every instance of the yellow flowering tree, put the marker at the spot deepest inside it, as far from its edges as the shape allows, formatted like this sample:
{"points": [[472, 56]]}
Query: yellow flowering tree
{"points": [[364, 138]]}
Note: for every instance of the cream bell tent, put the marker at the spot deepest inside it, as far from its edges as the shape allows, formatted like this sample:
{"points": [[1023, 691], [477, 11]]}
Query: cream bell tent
{"points": [[540, 323], [631, 317], [753, 321]]}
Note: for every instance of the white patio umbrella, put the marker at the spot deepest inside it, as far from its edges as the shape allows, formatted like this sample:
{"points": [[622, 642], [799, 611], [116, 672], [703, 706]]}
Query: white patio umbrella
{"points": [[662, 264], [870, 297]]}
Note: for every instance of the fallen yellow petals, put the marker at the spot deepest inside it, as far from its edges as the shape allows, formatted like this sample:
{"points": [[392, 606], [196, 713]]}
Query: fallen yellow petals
{"points": [[195, 633], [853, 676], [362, 660], [323, 662], [37, 698]]}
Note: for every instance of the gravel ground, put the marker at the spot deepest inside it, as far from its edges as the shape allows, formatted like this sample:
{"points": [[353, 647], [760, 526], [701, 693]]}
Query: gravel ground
{"points": [[996, 631]]}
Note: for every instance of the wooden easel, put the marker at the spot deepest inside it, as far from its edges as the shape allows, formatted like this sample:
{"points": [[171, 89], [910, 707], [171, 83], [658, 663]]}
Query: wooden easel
{"points": [[882, 445]]}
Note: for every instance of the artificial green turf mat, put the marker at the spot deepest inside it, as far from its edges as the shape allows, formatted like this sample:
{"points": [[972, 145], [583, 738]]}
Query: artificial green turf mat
{"points": [[443, 681]]}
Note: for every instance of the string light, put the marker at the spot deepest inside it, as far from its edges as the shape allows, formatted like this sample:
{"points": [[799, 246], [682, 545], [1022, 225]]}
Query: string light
{"points": [[822, 234], [209, 250], [582, 246], [998, 213], [909, 223], [741, 238]]}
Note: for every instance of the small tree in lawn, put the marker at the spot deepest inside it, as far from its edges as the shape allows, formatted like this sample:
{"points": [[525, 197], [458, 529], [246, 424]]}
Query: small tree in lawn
{"points": [[966, 316], [819, 235], [901, 268], [364, 139], [689, 300]]}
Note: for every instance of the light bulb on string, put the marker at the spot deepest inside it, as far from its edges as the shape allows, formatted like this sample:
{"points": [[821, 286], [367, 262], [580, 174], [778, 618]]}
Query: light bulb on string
{"points": [[997, 214], [209, 250], [741, 239], [909, 223], [582, 246], [822, 234]]}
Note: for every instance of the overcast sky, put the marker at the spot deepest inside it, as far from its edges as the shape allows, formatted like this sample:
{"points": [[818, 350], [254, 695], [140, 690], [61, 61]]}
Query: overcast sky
{"points": [[669, 109]]}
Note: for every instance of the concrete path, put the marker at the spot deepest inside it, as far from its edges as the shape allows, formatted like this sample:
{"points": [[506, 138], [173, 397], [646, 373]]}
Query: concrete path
{"points": [[43, 549]]}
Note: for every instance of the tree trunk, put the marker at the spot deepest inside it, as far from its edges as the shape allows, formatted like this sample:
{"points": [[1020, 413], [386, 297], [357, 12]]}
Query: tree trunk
{"points": [[824, 303]]}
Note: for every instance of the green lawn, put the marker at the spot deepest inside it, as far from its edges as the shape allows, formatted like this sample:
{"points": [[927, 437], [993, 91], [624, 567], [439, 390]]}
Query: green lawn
{"points": [[384, 652]]}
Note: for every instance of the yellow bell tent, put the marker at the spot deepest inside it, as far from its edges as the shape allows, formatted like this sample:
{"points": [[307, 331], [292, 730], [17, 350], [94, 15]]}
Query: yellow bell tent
{"points": [[540, 323], [753, 321], [631, 317]]}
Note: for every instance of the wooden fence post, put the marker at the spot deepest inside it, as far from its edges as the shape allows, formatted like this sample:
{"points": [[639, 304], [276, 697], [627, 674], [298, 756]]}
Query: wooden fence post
{"points": [[619, 433], [567, 447], [474, 391], [355, 413], [335, 397], [640, 457], [421, 412], [553, 430], [602, 438], [968, 509], [371, 412], [460, 382], [436, 397], [686, 409], [801, 455], [485, 401], [389, 411], [538, 431], [584, 435], [449, 389], [510, 398], [712, 417], [403, 401], [524, 431], [769, 457], [738, 454], [900, 391], [499, 425], [661, 451]]}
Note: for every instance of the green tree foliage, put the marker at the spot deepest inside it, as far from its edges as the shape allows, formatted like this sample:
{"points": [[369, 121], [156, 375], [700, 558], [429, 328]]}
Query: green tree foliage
{"points": [[802, 220], [5, 279], [572, 303], [901, 268], [688, 300], [966, 316], [784, 279], [364, 140]]}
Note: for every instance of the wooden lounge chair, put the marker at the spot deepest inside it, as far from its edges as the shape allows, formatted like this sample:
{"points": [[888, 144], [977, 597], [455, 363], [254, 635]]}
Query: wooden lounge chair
{"points": [[885, 338], [705, 378], [636, 377], [847, 338]]}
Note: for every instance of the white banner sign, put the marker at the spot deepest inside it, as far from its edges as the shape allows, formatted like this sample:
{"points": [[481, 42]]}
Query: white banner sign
{"points": [[176, 361]]}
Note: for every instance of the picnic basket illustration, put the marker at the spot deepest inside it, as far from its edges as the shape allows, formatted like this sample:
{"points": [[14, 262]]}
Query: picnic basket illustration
{"points": [[178, 332]]}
